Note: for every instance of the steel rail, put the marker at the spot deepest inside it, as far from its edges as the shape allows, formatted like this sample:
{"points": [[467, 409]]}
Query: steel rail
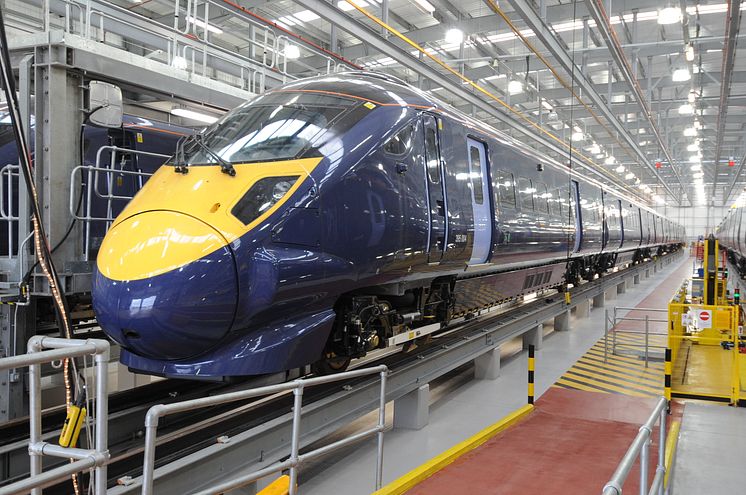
{"points": [[260, 446], [599, 14]]}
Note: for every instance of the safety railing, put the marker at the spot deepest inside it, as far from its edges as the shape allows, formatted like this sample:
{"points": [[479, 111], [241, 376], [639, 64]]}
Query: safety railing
{"points": [[614, 347], [9, 175], [96, 178], [81, 459], [296, 459], [188, 43], [640, 448]]}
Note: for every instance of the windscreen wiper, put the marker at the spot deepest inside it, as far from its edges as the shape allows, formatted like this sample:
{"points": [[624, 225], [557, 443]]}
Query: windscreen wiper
{"points": [[225, 166]]}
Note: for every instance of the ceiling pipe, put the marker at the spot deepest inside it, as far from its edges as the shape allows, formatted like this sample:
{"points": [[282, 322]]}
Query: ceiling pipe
{"points": [[604, 26], [732, 23]]}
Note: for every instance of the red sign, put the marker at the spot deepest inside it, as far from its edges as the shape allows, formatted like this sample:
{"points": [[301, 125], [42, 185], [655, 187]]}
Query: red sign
{"points": [[658, 164], [704, 316], [731, 163]]}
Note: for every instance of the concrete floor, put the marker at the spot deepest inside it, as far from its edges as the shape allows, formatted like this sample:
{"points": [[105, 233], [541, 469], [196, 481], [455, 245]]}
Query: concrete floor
{"points": [[712, 449], [461, 406]]}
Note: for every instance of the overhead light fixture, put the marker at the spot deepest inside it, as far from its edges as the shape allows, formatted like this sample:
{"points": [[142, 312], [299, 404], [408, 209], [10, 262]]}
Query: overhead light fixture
{"points": [[192, 115], [515, 87], [546, 105], [658, 200], [643, 143], [689, 52], [454, 36], [690, 132], [681, 75], [599, 156], [179, 62], [306, 16], [696, 168], [698, 175], [641, 130], [669, 15], [610, 160], [686, 109], [346, 6], [595, 149], [693, 147], [577, 136], [692, 96], [697, 124], [629, 176], [201, 24], [695, 159], [426, 6], [292, 52], [620, 169]]}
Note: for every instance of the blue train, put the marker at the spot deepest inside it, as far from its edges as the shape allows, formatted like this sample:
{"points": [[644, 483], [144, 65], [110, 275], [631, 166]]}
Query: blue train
{"points": [[731, 233], [136, 133], [341, 214]]}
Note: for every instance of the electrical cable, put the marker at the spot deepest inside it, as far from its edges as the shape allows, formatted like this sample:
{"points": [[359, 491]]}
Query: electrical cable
{"points": [[43, 252]]}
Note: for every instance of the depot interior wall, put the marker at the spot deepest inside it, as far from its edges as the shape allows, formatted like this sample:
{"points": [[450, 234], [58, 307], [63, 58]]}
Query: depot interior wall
{"points": [[698, 220]]}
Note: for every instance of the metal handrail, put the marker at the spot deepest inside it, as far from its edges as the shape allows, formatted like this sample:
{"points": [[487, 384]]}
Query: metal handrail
{"points": [[610, 326], [97, 457], [640, 448], [296, 459]]}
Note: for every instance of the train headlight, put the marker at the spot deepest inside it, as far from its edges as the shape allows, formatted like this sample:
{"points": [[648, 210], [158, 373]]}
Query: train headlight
{"points": [[262, 196]]}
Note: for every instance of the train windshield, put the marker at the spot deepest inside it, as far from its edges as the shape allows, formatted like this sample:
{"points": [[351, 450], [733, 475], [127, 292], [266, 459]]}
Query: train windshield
{"points": [[276, 126]]}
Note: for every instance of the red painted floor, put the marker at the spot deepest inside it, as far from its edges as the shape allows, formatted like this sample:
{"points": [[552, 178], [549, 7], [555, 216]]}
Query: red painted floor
{"points": [[570, 444]]}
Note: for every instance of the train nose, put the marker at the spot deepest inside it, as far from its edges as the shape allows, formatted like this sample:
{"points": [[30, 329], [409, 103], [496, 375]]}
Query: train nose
{"points": [[165, 285]]}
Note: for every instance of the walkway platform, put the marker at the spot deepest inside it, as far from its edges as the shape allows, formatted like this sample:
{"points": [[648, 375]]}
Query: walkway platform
{"points": [[570, 444]]}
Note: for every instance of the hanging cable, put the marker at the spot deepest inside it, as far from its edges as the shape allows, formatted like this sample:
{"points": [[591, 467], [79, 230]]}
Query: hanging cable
{"points": [[41, 246]]}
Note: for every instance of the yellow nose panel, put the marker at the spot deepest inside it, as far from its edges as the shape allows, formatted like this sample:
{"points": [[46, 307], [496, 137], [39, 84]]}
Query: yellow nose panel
{"points": [[209, 195], [153, 243]]}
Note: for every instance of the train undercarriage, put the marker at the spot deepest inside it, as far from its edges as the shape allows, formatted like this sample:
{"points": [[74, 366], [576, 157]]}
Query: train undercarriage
{"points": [[407, 315]]}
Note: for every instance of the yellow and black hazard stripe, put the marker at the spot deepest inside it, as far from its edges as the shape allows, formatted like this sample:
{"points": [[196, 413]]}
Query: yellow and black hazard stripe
{"points": [[617, 374]]}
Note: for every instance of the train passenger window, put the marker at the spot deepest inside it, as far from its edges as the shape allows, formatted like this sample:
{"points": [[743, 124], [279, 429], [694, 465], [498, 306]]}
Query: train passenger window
{"points": [[261, 197], [541, 198], [526, 193], [475, 174], [559, 209], [506, 188], [400, 143], [431, 155]]}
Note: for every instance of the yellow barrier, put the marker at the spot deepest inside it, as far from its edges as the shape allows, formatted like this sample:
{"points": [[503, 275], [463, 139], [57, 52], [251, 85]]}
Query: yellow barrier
{"points": [[412, 478], [280, 486]]}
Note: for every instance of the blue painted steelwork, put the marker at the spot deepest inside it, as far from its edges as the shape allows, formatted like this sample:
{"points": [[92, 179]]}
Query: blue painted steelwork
{"points": [[374, 242]]}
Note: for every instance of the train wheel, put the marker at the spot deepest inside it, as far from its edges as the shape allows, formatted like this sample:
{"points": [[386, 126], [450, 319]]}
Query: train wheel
{"points": [[330, 364]]}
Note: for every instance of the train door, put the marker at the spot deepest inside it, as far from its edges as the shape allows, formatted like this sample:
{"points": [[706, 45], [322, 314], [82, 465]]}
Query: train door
{"points": [[435, 191], [575, 205], [480, 201]]}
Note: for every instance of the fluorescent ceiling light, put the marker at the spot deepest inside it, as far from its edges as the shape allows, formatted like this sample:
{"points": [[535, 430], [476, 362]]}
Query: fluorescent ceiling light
{"points": [[641, 131], [629, 176], [547, 105], [454, 36], [346, 6], [698, 175], [686, 109], [426, 6], [610, 160], [643, 143], [201, 24], [599, 156], [669, 15], [190, 114], [515, 87], [577, 136], [292, 52], [692, 96], [595, 149], [689, 52], [620, 169], [695, 159], [693, 147], [690, 132], [681, 75], [306, 16], [697, 124], [696, 168]]}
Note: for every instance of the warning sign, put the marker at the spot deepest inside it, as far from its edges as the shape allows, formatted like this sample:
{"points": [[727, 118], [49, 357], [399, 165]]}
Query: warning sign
{"points": [[704, 318]]}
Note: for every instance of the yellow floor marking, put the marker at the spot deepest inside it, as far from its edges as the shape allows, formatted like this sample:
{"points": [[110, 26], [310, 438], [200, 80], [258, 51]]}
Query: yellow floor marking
{"points": [[631, 360], [412, 478], [629, 378], [649, 373], [608, 386], [580, 386], [280, 486]]}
